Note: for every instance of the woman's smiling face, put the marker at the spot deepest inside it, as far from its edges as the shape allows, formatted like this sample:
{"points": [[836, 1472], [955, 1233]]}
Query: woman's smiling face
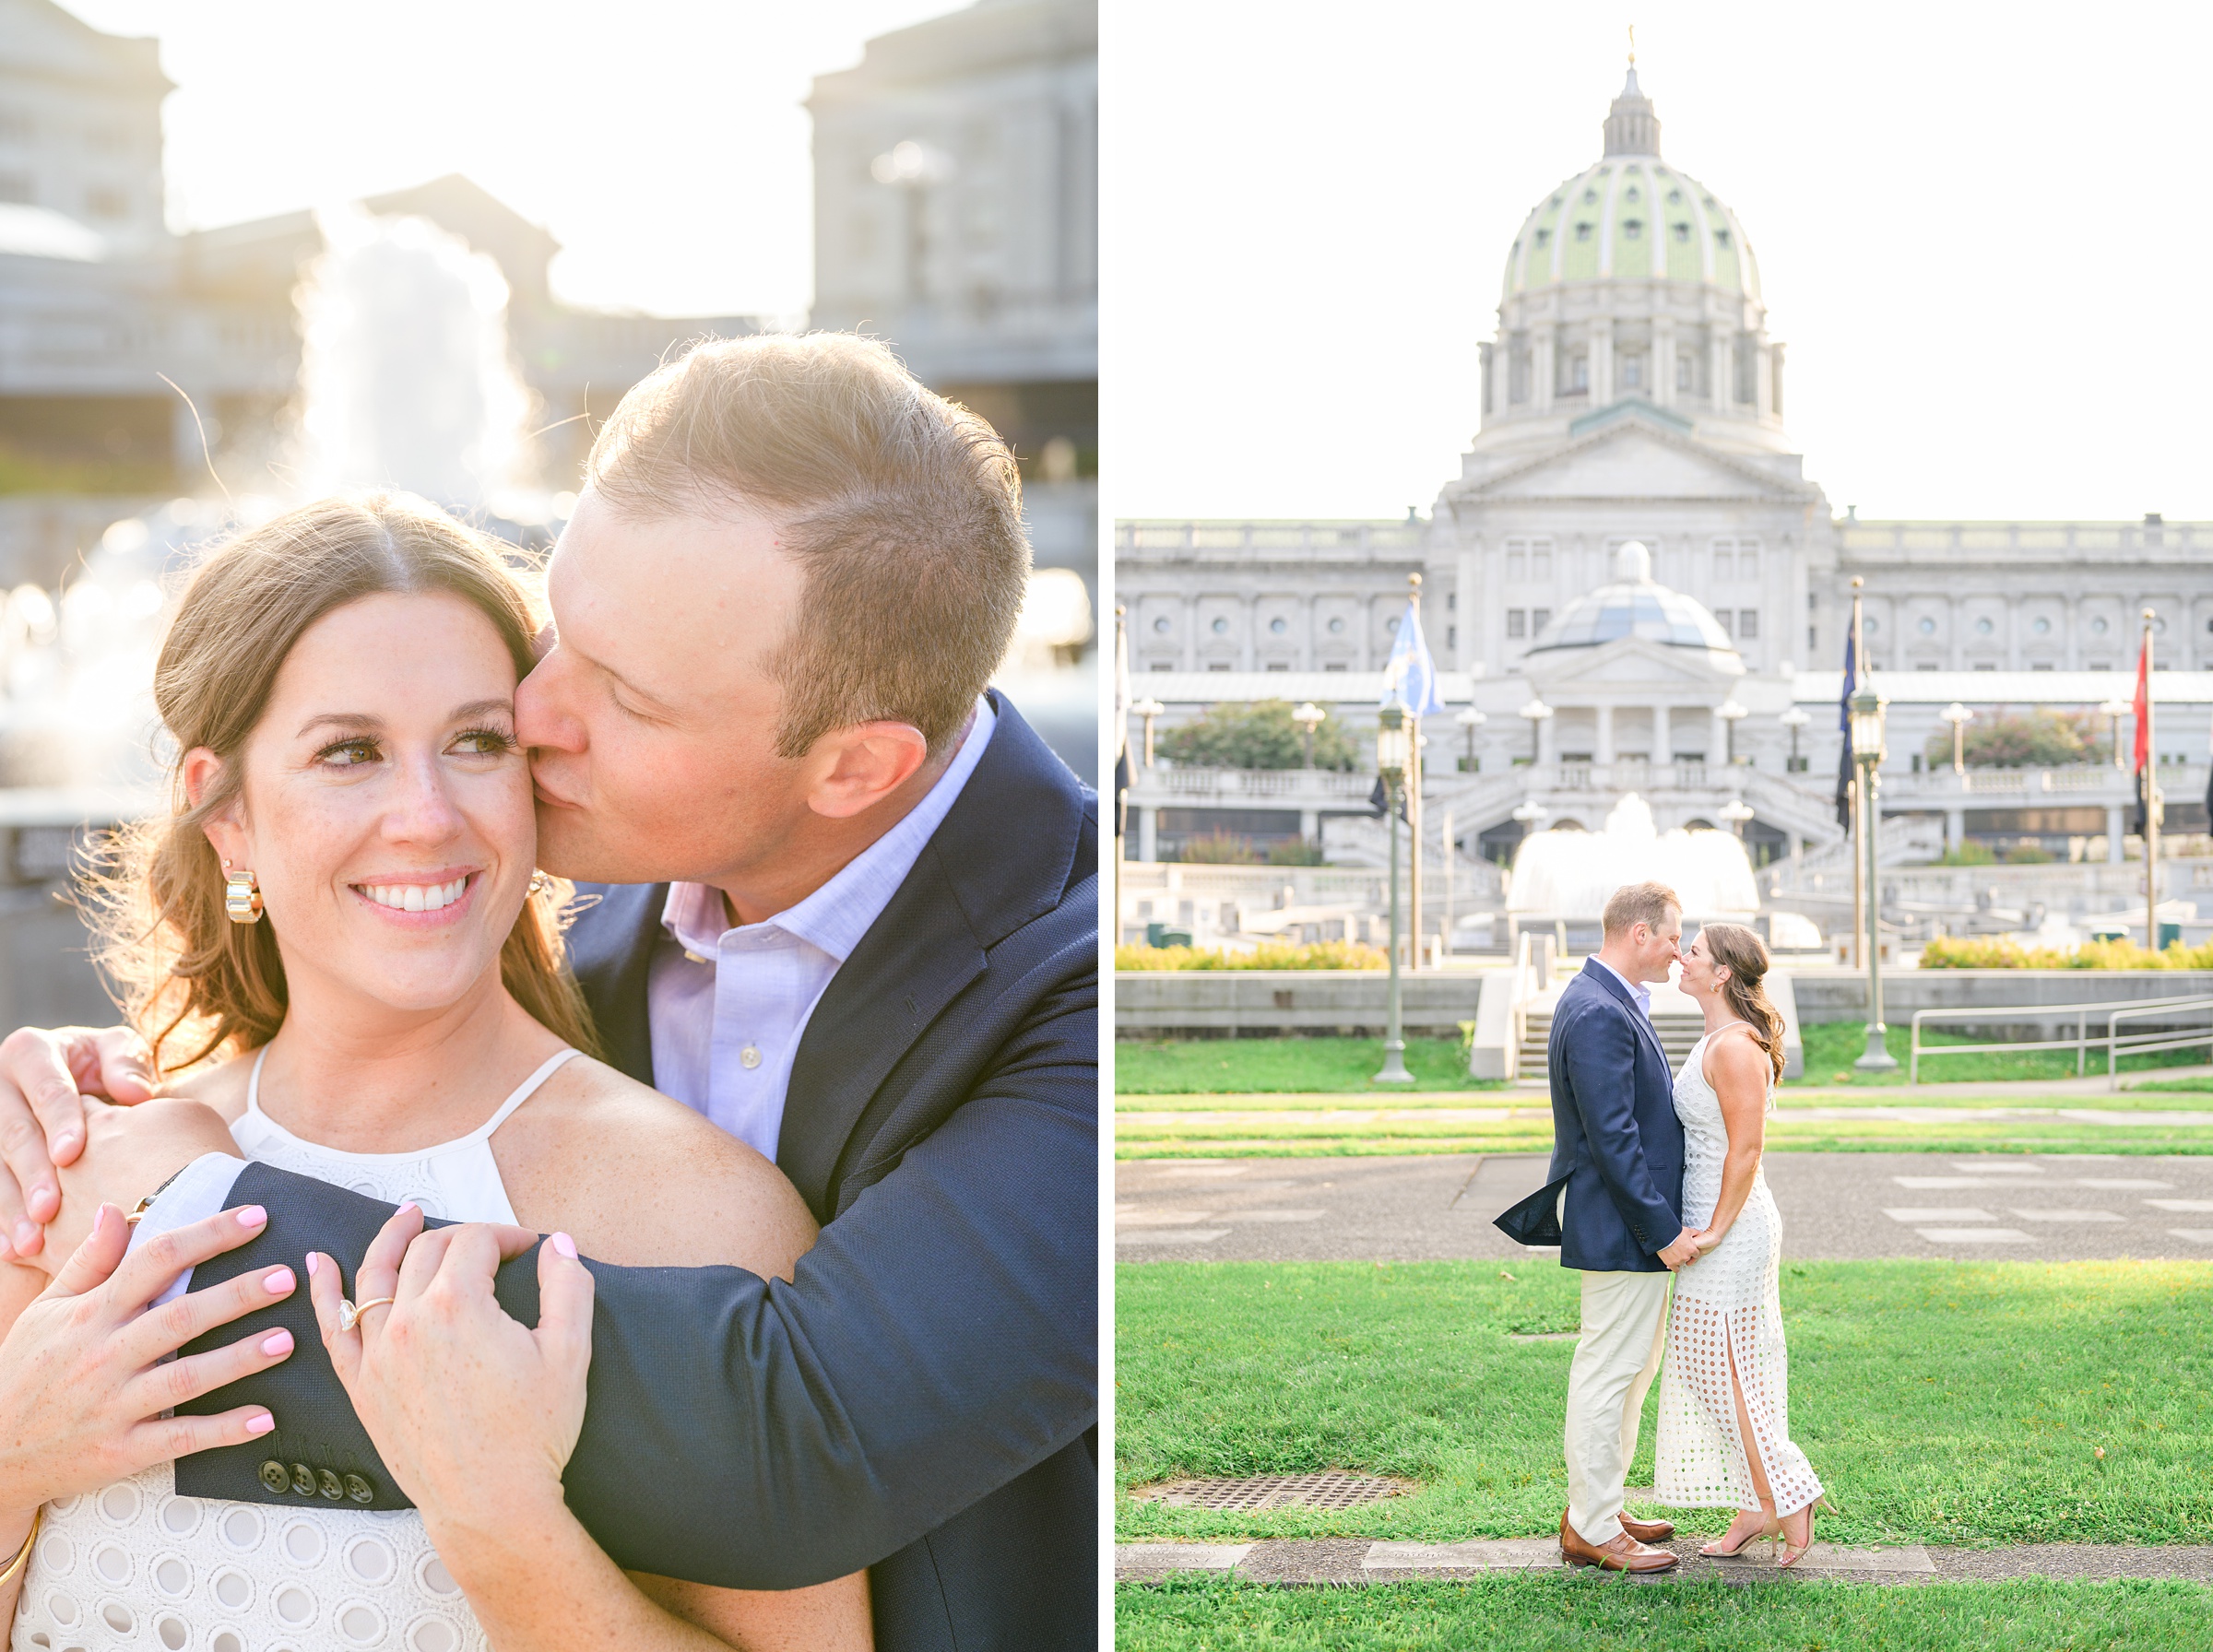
{"points": [[385, 808], [1699, 967]]}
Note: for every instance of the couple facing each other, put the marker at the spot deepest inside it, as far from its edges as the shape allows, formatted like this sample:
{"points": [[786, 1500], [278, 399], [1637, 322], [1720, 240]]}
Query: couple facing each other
{"points": [[837, 1324], [1656, 1177]]}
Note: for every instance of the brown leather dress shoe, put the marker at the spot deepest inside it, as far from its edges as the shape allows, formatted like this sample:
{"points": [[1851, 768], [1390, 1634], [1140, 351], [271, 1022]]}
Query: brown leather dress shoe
{"points": [[1623, 1553], [1648, 1531]]}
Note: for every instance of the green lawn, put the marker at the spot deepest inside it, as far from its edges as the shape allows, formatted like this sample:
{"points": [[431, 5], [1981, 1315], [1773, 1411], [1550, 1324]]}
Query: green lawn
{"points": [[1586, 1614], [1316, 1066], [1940, 1401]]}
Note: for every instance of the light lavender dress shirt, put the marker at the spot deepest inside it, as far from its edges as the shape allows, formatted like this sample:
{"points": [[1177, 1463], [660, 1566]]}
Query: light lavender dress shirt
{"points": [[725, 1007]]}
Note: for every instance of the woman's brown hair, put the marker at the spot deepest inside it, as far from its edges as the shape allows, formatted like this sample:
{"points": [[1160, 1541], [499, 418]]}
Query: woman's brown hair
{"points": [[185, 971], [1745, 956]]}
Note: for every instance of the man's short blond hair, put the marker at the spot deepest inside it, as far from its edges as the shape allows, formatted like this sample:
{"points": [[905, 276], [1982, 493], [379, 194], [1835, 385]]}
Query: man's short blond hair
{"points": [[1635, 903], [904, 510]]}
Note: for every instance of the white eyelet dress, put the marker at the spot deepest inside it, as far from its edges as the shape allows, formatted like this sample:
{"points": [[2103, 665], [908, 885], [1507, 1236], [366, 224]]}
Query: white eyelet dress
{"points": [[136, 1565], [1725, 1303]]}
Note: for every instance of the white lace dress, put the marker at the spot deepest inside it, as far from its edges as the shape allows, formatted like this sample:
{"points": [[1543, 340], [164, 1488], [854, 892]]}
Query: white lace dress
{"points": [[136, 1565], [1725, 1304]]}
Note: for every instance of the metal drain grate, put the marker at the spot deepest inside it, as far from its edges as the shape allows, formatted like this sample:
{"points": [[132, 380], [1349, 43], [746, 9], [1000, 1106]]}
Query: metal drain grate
{"points": [[1331, 1490]]}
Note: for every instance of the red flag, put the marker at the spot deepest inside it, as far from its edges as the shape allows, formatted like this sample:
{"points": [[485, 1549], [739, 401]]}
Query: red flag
{"points": [[2143, 707]]}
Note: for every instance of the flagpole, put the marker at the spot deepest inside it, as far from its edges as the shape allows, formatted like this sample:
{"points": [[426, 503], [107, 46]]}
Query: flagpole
{"points": [[1121, 763], [2152, 803], [1859, 814], [1414, 792]]}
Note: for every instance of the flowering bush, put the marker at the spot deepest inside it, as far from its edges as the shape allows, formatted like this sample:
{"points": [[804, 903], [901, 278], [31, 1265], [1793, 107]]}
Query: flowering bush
{"points": [[1269, 955], [1969, 952]]}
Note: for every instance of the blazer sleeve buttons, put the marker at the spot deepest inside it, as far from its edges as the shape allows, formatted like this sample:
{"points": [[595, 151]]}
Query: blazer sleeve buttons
{"points": [[360, 1489], [276, 1477]]}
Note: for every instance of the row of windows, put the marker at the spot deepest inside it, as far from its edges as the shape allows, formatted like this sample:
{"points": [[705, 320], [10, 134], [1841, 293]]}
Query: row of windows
{"points": [[1633, 229], [1985, 625], [1730, 558]]}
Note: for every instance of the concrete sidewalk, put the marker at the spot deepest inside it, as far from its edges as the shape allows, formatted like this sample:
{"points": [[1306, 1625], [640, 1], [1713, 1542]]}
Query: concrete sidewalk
{"points": [[1342, 1561]]}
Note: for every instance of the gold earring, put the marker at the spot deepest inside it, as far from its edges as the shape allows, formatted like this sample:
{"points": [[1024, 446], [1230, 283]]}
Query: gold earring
{"points": [[241, 896], [539, 883]]}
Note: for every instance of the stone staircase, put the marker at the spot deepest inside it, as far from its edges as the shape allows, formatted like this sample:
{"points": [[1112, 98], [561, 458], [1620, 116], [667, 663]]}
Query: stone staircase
{"points": [[1677, 1034]]}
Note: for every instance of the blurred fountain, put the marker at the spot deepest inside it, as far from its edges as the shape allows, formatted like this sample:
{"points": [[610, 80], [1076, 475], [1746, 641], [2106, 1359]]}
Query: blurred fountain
{"points": [[406, 382], [1569, 875], [405, 377]]}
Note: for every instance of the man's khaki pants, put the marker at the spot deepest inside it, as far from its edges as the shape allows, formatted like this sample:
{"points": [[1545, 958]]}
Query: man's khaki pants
{"points": [[1624, 1330]]}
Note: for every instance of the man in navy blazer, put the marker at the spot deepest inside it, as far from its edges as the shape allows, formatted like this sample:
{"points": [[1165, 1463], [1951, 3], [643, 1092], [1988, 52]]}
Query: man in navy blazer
{"points": [[778, 602], [1617, 1165]]}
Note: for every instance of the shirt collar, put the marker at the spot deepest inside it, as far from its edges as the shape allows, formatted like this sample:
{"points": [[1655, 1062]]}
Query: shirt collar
{"points": [[1638, 990], [837, 915]]}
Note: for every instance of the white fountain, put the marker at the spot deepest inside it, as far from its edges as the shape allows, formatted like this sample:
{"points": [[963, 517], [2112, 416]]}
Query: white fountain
{"points": [[1565, 877], [406, 382]]}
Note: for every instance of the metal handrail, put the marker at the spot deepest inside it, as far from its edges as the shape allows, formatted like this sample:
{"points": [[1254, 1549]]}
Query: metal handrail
{"points": [[2081, 1043], [2144, 1043]]}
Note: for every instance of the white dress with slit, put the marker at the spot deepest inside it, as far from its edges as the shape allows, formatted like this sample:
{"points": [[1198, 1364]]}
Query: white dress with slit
{"points": [[136, 1565], [1726, 1304]]}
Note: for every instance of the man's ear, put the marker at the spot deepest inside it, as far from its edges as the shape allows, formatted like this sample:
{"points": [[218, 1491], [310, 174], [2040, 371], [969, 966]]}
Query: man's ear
{"points": [[858, 768]]}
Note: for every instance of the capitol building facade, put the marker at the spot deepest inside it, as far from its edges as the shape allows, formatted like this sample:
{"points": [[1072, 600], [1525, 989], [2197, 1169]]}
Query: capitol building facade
{"points": [[1636, 586]]}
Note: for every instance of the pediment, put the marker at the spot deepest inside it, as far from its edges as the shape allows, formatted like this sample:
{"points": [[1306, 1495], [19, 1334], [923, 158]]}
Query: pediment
{"points": [[1635, 460], [1631, 662]]}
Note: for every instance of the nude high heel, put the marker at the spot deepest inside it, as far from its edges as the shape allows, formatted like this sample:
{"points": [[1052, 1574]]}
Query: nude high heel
{"points": [[1794, 1553], [1767, 1531]]}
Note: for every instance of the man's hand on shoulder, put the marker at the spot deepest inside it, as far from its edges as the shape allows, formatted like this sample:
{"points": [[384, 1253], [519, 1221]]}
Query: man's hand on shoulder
{"points": [[129, 1152], [1682, 1253], [44, 1075]]}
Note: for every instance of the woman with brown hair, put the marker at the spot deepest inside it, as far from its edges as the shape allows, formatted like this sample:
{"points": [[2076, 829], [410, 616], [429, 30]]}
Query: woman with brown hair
{"points": [[1724, 1425], [337, 945]]}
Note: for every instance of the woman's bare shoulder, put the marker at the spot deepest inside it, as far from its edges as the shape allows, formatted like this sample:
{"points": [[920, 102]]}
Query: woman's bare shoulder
{"points": [[640, 1179], [1739, 1060]]}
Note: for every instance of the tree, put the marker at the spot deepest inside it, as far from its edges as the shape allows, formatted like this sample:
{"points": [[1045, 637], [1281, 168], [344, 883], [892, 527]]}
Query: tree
{"points": [[1255, 735], [2040, 740]]}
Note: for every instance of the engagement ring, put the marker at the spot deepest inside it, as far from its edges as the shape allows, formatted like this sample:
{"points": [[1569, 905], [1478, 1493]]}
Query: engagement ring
{"points": [[349, 1315]]}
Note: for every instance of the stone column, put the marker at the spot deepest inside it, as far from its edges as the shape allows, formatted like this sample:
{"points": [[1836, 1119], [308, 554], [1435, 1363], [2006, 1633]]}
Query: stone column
{"points": [[2114, 845], [1466, 609], [1663, 738], [1191, 633], [1954, 828], [1958, 624], [1602, 362], [1249, 644], [1306, 653], [1721, 385], [1663, 353], [2013, 632], [1605, 752], [1148, 835], [1541, 342], [1717, 741], [1548, 747]]}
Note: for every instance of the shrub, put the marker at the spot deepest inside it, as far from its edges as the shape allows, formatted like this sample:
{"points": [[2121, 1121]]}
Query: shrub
{"points": [[2040, 740], [1219, 848], [1255, 735], [1295, 851], [1269, 955], [1975, 952]]}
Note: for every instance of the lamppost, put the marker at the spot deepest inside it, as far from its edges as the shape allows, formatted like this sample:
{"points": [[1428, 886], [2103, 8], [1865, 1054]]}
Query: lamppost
{"points": [[2117, 709], [1868, 753], [1148, 708], [1731, 713], [1536, 710], [1959, 716], [1736, 811], [1308, 716], [1469, 720], [1795, 720], [1391, 752]]}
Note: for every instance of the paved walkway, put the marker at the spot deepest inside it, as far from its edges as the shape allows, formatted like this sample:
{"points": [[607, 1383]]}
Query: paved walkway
{"points": [[1836, 1207], [1359, 1559]]}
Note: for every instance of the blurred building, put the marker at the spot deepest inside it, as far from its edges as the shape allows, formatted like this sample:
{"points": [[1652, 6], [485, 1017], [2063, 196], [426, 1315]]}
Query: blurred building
{"points": [[956, 218], [98, 301]]}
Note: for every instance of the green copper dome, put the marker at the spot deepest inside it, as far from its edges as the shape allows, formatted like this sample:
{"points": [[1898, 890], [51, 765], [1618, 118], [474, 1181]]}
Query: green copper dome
{"points": [[1632, 216]]}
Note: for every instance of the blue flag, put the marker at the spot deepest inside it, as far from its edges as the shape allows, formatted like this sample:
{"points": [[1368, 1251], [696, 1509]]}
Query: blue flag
{"points": [[1844, 725], [1409, 674]]}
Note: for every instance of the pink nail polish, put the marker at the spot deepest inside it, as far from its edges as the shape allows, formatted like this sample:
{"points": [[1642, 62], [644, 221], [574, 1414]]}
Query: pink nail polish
{"points": [[101, 1219], [277, 1282], [312, 1260], [410, 1204], [261, 1424], [252, 1216], [276, 1342], [565, 1245]]}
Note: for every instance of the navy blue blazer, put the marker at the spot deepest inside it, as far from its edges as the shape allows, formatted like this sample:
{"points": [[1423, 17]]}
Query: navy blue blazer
{"points": [[1615, 1134], [922, 1398]]}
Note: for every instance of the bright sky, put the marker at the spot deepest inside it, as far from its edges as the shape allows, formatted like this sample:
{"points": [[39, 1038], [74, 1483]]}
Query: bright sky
{"points": [[1976, 229], [662, 141]]}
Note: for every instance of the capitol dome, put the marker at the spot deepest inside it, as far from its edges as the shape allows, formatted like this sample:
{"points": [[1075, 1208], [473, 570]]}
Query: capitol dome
{"points": [[1632, 216], [1634, 605]]}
